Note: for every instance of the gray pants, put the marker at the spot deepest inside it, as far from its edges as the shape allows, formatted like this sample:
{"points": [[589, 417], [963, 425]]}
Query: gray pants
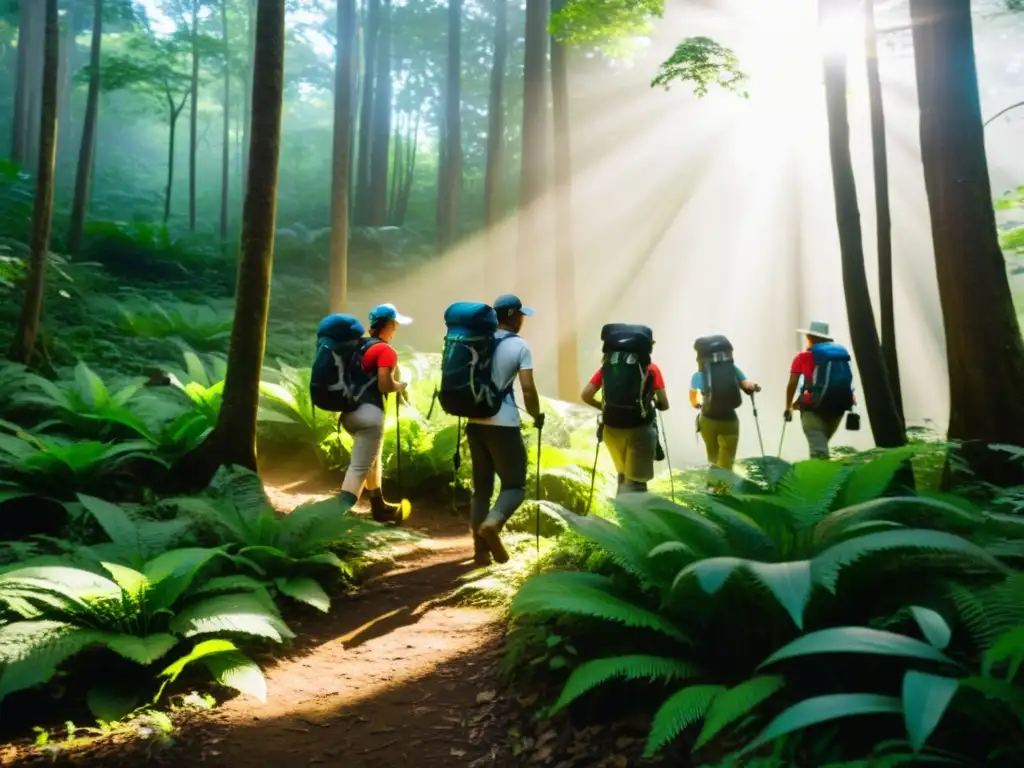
{"points": [[818, 430], [496, 451], [366, 425]]}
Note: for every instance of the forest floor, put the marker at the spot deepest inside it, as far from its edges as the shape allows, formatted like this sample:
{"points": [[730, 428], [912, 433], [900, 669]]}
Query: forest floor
{"points": [[396, 675]]}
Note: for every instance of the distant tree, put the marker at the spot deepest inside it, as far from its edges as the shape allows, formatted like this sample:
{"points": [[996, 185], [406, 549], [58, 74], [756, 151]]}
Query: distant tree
{"points": [[225, 170], [377, 207], [28, 83], [449, 166], [23, 346], [345, 45]]}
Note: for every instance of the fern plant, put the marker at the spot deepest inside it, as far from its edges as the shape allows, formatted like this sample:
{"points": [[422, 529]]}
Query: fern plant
{"points": [[199, 325], [723, 588], [141, 615]]}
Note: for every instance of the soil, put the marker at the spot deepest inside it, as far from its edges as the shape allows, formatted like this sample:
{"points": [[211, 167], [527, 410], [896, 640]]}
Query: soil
{"points": [[392, 677]]}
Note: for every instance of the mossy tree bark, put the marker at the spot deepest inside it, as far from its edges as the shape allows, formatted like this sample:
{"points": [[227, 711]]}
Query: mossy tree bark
{"points": [[344, 79], [886, 425], [984, 349], [23, 346]]}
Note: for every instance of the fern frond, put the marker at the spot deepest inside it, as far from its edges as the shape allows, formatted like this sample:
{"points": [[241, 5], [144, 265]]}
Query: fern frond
{"points": [[737, 702], [989, 611], [681, 710], [625, 551], [31, 651], [810, 489], [591, 674]]}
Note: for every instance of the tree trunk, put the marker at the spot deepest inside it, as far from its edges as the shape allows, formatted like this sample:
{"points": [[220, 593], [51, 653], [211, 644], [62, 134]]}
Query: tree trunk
{"points": [[496, 118], [24, 343], [565, 256], [379, 153], [247, 92], [396, 171], [233, 441], [984, 349], [193, 137], [344, 78], [410, 171], [882, 211], [451, 169], [225, 167], [371, 26], [534, 147], [67, 72], [19, 123], [83, 174], [885, 422], [174, 110]]}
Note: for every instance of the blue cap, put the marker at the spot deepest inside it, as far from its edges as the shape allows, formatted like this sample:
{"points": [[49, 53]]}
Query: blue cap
{"points": [[507, 302], [385, 312]]}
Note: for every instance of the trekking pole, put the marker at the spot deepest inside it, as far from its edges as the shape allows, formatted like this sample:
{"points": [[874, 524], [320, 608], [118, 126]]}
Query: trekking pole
{"points": [[593, 471], [760, 440], [540, 431], [404, 507], [668, 460], [783, 438]]}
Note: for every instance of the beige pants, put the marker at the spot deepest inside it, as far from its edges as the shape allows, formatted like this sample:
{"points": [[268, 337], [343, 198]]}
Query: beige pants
{"points": [[632, 451], [819, 431], [721, 440], [366, 425]]}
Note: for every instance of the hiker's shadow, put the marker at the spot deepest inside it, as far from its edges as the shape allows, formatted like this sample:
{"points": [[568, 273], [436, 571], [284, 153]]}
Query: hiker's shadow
{"points": [[409, 614]]}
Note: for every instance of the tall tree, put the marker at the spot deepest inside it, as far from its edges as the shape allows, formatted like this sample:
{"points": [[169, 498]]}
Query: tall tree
{"points": [[31, 25], [371, 27], [344, 80], [225, 164], [193, 136], [381, 122], [886, 425], [883, 215], [24, 343], [533, 177], [450, 166], [233, 440], [565, 256], [250, 16], [984, 349], [83, 173], [496, 118]]}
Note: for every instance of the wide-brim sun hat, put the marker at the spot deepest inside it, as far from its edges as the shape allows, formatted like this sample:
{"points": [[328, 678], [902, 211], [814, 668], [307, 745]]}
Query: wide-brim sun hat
{"points": [[384, 312], [817, 329]]}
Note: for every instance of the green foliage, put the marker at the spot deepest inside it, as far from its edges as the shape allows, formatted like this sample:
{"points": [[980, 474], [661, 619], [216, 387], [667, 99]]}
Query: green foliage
{"points": [[198, 325], [703, 63]]}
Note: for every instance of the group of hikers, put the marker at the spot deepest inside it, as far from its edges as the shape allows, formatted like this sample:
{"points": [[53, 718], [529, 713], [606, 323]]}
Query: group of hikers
{"points": [[484, 356]]}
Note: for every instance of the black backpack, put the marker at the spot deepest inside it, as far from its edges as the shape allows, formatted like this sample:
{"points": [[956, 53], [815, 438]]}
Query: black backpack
{"points": [[337, 381], [720, 387], [467, 382], [626, 383]]}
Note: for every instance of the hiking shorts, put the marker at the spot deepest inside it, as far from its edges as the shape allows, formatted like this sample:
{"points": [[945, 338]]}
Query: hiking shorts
{"points": [[819, 429], [632, 451], [721, 440], [366, 425]]}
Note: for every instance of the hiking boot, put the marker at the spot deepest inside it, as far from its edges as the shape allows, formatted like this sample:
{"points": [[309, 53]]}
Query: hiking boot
{"points": [[488, 532], [384, 511], [348, 499], [481, 553]]}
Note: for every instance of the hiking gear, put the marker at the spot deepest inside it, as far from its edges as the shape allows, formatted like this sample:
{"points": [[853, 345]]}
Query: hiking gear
{"points": [[467, 383], [593, 471], [853, 422], [831, 387], [337, 381], [481, 554], [491, 537], [782, 439], [404, 507], [385, 312], [540, 431], [671, 479], [628, 389], [383, 511], [787, 416], [817, 329], [757, 423], [720, 386], [347, 498], [538, 422], [507, 302]]}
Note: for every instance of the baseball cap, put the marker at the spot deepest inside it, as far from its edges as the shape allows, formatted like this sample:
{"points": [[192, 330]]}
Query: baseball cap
{"points": [[507, 301], [385, 312]]}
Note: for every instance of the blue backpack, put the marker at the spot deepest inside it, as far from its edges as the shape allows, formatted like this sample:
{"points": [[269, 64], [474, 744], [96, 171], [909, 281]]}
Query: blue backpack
{"points": [[467, 383], [337, 381], [831, 387]]}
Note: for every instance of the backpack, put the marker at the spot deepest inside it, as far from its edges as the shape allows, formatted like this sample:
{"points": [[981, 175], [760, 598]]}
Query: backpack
{"points": [[831, 387], [467, 382], [337, 381], [626, 383], [720, 387]]}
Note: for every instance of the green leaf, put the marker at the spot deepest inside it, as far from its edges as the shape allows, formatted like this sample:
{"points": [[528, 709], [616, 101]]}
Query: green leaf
{"points": [[305, 590], [234, 613], [201, 650], [1012, 696], [586, 594], [142, 650], [822, 709], [934, 628], [131, 582], [591, 674], [789, 582], [873, 477], [171, 573], [737, 702], [682, 709], [856, 640], [112, 519], [108, 705], [31, 651], [235, 670], [925, 699], [1009, 646]]}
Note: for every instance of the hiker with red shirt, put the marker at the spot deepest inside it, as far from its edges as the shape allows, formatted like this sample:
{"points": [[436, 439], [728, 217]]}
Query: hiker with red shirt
{"points": [[632, 388], [824, 376], [366, 423]]}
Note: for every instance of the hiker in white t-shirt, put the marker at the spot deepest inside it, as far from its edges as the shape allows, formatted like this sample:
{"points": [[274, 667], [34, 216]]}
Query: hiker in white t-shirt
{"points": [[496, 444]]}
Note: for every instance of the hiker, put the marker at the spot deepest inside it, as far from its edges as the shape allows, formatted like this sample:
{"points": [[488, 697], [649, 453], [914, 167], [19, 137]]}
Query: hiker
{"points": [[364, 372], [716, 390], [632, 388], [824, 376], [483, 356]]}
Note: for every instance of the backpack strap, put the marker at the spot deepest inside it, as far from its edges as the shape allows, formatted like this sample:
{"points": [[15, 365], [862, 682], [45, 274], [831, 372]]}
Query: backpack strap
{"points": [[510, 390]]}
